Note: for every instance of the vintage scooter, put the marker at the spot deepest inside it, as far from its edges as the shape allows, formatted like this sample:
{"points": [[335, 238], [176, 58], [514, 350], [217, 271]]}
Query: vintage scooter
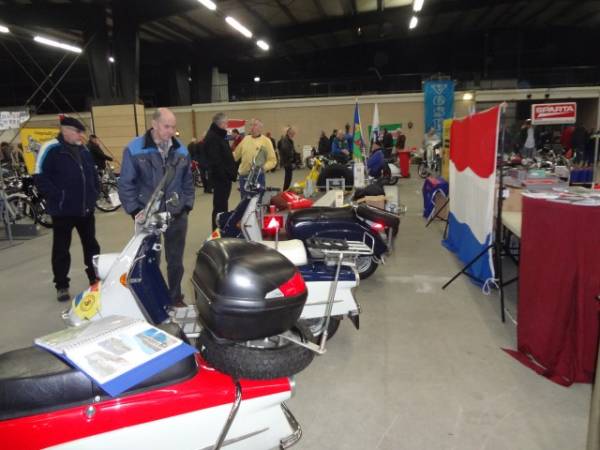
{"points": [[359, 223], [249, 299]]}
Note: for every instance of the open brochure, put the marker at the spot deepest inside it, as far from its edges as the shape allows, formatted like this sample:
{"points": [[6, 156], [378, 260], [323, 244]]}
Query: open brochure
{"points": [[117, 352]]}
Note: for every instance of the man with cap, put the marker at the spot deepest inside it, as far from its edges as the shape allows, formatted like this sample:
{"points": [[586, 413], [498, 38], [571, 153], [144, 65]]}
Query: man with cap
{"points": [[66, 176], [145, 160]]}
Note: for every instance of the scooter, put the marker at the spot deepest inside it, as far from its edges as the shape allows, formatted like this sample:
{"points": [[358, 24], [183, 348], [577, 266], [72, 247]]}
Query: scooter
{"points": [[327, 286]]}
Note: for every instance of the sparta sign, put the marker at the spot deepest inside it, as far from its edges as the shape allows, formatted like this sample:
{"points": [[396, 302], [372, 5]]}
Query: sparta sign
{"points": [[553, 113]]}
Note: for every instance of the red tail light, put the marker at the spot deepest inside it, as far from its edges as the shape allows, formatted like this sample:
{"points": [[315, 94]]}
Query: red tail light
{"points": [[294, 286], [378, 227]]}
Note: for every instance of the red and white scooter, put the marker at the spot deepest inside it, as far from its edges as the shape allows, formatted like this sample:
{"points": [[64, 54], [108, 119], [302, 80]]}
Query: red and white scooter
{"points": [[249, 306]]}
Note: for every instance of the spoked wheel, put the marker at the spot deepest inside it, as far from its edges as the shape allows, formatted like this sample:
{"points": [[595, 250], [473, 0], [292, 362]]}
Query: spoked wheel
{"points": [[316, 326], [365, 266], [423, 171], [108, 200], [263, 359], [21, 210], [43, 218]]}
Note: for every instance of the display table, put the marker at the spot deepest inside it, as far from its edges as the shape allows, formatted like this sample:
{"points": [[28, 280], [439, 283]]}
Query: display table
{"points": [[512, 221], [559, 279], [431, 185]]}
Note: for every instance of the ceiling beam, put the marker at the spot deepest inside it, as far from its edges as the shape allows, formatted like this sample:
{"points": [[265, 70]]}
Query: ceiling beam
{"points": [[193, 23], [174, 27], [286, 10], [319, 7], [543, 6]]}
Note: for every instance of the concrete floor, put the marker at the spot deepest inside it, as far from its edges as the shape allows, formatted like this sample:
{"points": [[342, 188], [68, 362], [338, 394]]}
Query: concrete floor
{"points": [[425, 371]]}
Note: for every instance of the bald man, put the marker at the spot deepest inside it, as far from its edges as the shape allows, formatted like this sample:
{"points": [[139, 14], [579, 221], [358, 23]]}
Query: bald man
{"points": [[145, 160]]}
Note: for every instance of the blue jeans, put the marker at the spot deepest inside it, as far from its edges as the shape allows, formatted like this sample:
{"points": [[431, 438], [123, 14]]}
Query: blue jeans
{"points": [[243, 178]]}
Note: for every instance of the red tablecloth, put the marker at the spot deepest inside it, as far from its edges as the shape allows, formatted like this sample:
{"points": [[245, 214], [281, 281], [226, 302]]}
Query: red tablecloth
{"points": [[559, 279]]}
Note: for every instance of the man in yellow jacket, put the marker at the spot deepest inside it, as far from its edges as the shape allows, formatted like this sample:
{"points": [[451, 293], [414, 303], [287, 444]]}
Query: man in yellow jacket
{"points": [[247, 150]]}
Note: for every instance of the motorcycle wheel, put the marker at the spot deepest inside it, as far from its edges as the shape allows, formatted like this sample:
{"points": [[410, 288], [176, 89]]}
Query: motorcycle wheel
{"points": [[273, 360], [104, 202], [43, 218], [315, 329], [365, 266], [390, 181], [422, 171], [23, 210]]}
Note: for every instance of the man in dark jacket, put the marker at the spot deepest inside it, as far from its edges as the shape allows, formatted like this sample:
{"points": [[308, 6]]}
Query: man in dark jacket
{"points": [[221, 166], [145, 160], [387, 142], [66, 177], [286, 155], [99, 156], [324, 144]]}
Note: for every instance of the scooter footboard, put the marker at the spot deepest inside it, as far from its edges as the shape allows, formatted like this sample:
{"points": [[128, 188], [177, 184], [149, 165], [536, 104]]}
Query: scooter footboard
{"points": [[318, 293]]}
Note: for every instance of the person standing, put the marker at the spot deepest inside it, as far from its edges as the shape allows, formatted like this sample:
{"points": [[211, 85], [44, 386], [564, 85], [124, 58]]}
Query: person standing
{"points": [[387, 143], [400, 140], [324, 144], [66, 177], [247, 150], [286, 155], [99, 156], [145, 160], [339, 148], [527, 138], [221, 165]]}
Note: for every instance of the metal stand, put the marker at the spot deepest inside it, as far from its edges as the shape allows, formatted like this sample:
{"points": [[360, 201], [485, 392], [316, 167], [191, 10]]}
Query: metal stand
{"points": [[336, 252]]}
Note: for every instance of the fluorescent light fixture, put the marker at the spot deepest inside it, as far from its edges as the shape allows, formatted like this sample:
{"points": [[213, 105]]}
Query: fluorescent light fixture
{"points": [[210, 5], [238, 26], [262, 44], [418, 5], [256, 79], [467, 96], [413, 22], [111, 59], [53, 43], [4, 29]]}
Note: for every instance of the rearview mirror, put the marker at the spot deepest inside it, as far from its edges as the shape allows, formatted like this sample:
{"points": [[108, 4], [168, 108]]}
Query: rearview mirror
{"points": [[260, 158]]}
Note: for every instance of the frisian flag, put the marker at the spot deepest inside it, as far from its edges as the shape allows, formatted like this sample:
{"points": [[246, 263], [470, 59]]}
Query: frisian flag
{"points": [[357, 140], [473, 149]]}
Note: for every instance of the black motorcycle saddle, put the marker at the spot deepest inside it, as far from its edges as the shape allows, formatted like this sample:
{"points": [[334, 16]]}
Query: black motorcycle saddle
{"points": [[320, 213], [33, 381], [378, 215]]}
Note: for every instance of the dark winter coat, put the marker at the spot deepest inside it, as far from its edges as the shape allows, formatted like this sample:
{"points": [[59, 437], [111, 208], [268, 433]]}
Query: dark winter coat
{"points": [[66, 176], [286, 151], [221, 166]]}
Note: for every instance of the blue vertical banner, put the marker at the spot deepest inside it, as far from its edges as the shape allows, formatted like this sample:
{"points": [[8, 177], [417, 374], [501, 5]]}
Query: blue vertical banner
{"points": [[439, 104]]}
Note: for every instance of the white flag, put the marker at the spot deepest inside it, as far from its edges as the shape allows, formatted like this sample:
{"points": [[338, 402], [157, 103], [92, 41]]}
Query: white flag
{"points": [[375, 125]]}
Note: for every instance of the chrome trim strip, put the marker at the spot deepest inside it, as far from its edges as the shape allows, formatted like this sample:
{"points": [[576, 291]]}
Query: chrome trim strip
{"points": [[234, 410], [296, 435]]}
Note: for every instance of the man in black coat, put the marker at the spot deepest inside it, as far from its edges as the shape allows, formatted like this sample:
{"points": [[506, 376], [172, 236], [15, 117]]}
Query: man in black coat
{"points": [[286, 156], [99, 156], [221, 166], [66, 177]]}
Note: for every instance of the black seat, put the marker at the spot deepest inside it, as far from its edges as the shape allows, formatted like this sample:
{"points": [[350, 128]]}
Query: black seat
{"points": [[378, 215], [33, 380], [319, 213]]}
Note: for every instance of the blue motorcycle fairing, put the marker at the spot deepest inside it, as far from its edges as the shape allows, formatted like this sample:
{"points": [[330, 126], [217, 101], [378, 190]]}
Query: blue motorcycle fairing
{"points": [[228, 222], [319, 271], [147, 282]]}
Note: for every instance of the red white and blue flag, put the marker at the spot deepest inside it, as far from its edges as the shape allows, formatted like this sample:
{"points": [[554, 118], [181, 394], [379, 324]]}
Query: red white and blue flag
{"points": [[473, 149]]}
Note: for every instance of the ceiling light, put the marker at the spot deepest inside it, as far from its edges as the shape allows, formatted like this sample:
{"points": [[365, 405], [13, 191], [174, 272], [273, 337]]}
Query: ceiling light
{"points": [[53, 43], [4, 29], [256, 79], [413, 22], [210, 5], [467, 96], [418, 5], [111, 59], [238, 26], [262, 44]]}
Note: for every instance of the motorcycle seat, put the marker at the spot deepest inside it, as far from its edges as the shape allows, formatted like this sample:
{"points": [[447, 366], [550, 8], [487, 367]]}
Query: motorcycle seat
{"points": [[33, 381], [321, 213], [293, 250]]}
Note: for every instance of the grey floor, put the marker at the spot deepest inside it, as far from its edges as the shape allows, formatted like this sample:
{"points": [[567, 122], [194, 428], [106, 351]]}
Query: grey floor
{"points": [[426, 370]]}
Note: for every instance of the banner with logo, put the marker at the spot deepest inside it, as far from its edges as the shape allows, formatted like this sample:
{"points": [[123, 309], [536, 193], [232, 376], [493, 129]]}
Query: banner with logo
{"points": [[554, 113], [32, 140], [12, 120], [439, 104], [236, 124]]}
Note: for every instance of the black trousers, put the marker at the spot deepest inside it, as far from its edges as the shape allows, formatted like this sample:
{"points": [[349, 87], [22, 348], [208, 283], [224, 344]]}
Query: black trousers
{"points": [[221, 192], [62, 230], [288, 178], [174, 239], [205, 178]]}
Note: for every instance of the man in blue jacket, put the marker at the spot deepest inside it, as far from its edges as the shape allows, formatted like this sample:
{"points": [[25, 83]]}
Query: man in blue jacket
{"points": [[66, 176], [145, 160]]}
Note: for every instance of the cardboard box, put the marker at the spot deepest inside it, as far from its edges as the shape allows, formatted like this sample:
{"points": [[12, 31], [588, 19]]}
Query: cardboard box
{"points": [[374, 200]]}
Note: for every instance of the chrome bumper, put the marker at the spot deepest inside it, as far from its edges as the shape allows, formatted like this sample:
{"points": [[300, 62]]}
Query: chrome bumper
{"points": [[296, 435]]}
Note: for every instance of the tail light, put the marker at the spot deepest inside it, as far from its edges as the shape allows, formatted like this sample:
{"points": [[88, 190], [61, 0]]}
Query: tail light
{"points": [[291, 288], [377, 227], [272, 222]]}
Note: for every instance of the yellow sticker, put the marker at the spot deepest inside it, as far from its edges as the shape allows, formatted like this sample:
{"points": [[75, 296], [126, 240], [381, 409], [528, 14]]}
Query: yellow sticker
{"points": [[87, 304]]}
